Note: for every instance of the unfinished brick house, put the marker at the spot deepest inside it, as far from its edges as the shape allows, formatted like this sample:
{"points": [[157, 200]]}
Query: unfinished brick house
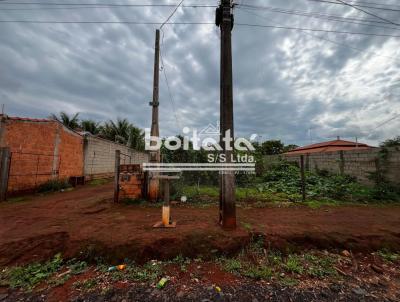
{"points": [[40, 150]]}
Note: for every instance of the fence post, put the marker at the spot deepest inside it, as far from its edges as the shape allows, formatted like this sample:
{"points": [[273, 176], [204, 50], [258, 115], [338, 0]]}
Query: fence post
{"points": [[4, 172], [116, 179], [303, 178]]}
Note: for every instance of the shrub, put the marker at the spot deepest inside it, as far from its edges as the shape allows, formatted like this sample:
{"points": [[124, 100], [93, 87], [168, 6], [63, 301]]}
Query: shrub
{"points": [[54, 185]]}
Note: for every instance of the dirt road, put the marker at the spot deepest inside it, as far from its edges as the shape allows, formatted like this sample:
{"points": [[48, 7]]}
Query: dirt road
{"points": [[86, 223]]}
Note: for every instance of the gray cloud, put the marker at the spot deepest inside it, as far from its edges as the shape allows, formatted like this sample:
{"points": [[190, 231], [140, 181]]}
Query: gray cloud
{"points": [[286, 82]]}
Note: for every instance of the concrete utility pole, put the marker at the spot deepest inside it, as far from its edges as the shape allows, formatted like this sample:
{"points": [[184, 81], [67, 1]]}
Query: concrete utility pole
{"points": [[225, 20], [153, 182]]}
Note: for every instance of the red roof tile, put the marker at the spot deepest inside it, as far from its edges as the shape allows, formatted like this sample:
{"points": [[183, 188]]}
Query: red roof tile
{"points": [[330, 146]]}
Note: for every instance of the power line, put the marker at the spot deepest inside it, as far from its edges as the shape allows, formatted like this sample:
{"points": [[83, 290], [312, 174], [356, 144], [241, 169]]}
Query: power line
{"points": [[368, 13], [365, 22], [171, 98], [98, 6], [316, 30], [358, 5], [173, 13], [106, 22], [323, 38], [163, 66], [103, 4], [201, 23]]}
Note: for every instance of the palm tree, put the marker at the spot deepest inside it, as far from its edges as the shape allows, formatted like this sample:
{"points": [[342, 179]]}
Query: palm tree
{"points": [[90, 126], [123, 132], [117, 131], [136, 138], [66, 120]]}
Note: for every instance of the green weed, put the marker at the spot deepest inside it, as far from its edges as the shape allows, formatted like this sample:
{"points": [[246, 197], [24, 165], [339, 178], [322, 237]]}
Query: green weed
{"points": [[293, 265], [389, 256], [27, 277]]}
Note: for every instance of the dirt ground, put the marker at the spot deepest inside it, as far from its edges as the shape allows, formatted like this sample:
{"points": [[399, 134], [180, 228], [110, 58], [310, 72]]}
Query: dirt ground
{"points": [[84, 223]]}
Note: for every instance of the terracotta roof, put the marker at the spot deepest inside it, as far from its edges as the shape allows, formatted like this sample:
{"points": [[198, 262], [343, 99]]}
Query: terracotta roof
{"points": [[330, 146]]}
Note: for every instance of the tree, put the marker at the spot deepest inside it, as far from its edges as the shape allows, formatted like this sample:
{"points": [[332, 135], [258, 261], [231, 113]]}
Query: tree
{"points": [[136, 138], [272, 147], [123, 132], [395, 142], [66, 120], [288, 148], [90, 126], [117, 131]]}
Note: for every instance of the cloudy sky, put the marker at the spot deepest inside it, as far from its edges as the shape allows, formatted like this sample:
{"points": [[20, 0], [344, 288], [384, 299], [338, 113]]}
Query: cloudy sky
{"points": [[291, 85]]}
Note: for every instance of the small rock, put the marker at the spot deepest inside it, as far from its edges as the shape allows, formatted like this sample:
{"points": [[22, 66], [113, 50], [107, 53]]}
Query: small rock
{"points": [[359, 291], [254, 300], [346, 253], [3, 297], [377, 269], [180, 294]]}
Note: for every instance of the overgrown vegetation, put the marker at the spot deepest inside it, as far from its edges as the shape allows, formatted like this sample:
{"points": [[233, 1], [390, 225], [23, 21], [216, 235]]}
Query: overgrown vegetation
{"points": [[281, 183], [54, 185], [257, 263], [253, 262], [27, 277]]}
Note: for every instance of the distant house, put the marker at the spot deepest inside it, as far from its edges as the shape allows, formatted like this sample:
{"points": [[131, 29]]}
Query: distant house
{"points": [[329, 146]]}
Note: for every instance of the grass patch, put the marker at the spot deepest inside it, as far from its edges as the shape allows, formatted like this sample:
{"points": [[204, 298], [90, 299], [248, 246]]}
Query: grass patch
{"points": [[17, 199], [148, 272], [98, 182], [86, 285], [293, 265], [256, 263], [389, 256], [54, 185]]}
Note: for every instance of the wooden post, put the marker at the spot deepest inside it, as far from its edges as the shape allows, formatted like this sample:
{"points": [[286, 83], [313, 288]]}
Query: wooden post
{"points": [[116, 177], [5, 162], [227, 180], [303, 178], [153, 181]]}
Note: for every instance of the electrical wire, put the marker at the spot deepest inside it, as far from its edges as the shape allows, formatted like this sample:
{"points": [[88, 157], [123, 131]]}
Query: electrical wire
{"points": [[323, 38], [171, 98], [200, 23], [316, 30], [173, 13], [365, 22], [358, 5], [368, 13], [163, 66], [103, 4]]}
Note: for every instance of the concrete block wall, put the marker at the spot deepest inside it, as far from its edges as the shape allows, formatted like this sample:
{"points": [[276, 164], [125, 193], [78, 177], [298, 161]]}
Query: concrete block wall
{"points": [[357, 163], [100, 157]]}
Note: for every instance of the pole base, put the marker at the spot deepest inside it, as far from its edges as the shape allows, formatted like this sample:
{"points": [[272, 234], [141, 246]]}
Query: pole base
{"points": [[161, 225]]}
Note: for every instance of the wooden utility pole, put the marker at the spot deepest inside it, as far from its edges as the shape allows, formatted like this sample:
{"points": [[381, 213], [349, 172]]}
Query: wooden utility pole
{"points": [[224, 19], [153, 181]]}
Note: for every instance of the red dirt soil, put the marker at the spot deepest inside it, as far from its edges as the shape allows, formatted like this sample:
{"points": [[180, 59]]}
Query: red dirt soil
{"points": [[86, 224]]}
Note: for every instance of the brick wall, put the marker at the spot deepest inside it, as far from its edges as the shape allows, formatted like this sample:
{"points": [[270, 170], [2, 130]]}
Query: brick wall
{"points": [[100, 157], [41, 150], [356, 163]]}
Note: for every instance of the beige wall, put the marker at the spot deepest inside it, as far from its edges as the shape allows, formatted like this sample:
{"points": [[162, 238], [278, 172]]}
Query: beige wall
{"points": [[356, 163], [99, 157]]}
